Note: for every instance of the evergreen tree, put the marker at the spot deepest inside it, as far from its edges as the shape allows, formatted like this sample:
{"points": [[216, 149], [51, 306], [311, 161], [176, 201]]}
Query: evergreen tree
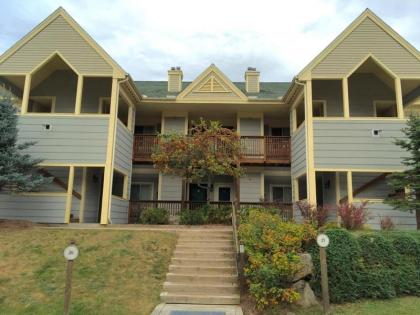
{"points": [[17, 169], [407, 183]]}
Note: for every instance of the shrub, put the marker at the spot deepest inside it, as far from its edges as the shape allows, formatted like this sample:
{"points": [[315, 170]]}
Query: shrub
{"points": [[154, 216], [316, 216], [369, 266], [387, 224], [193, 216], [218, 214], [272, 246], [206, 214], [353, 217], [343, 261]]}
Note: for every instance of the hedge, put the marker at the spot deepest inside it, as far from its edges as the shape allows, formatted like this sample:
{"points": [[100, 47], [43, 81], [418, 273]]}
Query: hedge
{"points": [[154, 216], [368, 266]]}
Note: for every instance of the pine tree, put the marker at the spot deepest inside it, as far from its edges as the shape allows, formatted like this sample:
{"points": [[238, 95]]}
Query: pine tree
{"points": [[408, 181], [17, 169]]}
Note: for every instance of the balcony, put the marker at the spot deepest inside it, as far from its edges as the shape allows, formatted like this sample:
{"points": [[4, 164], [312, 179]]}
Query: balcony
{"points": [[256, 149]]}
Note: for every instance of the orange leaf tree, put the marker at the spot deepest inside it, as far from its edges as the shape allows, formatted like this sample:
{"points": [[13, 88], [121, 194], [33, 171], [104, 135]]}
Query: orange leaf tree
{"points": [[209, 150]]}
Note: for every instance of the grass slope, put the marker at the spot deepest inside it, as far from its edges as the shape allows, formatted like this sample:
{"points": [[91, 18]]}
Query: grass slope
{"points": [[117, 272]]}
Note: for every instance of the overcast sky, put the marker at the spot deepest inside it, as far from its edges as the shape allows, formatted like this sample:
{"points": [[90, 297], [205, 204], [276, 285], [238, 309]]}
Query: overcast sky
{"points": [[146, 37]]}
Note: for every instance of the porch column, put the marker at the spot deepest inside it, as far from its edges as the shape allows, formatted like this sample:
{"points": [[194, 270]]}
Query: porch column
{"points": [[83, 195], [337, 188], [109, 164], [295, 189], [349, 187], [399, 99], [237, 193], [79, 93], [69, 197], [26, 92], [293, 120], [346, 107], [310, 174]]}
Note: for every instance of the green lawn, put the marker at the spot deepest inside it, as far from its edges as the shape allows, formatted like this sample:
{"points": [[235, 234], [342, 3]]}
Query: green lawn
{"points": [[117, 272], [400, 306]]}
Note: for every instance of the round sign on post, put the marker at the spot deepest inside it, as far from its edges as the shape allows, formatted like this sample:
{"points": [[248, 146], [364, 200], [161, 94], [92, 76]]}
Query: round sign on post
{"points": [[71, 252], [323, 240]]}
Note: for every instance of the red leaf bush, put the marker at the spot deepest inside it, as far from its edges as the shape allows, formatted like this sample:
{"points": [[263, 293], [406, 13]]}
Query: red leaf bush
{"points": [[353, 217]]}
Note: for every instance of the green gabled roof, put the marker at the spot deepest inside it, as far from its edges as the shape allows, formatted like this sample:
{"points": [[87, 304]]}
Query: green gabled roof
{"points": [[159, 89]]}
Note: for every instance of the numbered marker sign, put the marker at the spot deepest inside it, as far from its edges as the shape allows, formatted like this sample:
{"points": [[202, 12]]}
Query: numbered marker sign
{"points": [[322, 240], [71, 252]]}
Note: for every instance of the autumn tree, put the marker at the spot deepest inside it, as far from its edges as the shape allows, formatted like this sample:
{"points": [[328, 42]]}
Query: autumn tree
{"points": [[408, 181], [209, 150]]}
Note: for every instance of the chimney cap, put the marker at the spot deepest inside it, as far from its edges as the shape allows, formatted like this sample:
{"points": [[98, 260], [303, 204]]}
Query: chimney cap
{"points": [[177, 68], [252, 69]]}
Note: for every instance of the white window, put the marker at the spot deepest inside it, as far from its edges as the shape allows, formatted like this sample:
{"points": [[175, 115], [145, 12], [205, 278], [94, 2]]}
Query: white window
{"points": [[385, 108], [41, 104], [142, 191], [279, 193], [104, 105], [319, 108]]}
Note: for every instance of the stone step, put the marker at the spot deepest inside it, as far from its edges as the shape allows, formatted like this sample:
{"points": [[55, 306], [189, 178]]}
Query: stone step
{"points": [[203, 247], [220, 262], [204, 237], [208, 242], [201, 279], [202, 270], [228, 299], [202, 289], [204, 254]]}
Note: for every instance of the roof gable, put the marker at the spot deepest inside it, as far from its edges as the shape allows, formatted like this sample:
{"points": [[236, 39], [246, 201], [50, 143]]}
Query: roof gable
{"points": [[210, 86], [368, 34], [59, 32]]}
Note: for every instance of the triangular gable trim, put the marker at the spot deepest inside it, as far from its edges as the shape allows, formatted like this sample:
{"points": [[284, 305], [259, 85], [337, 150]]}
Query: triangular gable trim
{"points": [[118, 71], [304, 74], [377, 61], [197, 83], [213, 81]]}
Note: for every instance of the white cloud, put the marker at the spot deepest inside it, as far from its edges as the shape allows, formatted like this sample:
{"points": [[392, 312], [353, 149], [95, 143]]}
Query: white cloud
{"points": [[277, 37]]}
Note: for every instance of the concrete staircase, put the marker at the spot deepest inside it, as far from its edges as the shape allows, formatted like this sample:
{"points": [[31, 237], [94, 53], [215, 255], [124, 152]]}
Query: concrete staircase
{"points": [[203, 269]]}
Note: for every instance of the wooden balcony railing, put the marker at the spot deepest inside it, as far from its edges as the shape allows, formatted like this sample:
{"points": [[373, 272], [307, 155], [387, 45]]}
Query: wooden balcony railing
{"points": [[174, 207], [256, 149]]}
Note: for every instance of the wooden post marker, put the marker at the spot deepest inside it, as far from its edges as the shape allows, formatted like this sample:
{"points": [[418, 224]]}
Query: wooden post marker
{"points": [[323, 241], [71, 252]]}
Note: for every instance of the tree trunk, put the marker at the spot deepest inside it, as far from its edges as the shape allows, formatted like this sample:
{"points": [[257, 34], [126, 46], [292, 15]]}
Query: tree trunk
{"points": [[209, 185], [418, 219]]}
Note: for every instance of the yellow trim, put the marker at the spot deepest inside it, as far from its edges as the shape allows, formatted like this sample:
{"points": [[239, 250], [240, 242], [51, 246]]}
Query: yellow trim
{"points": [[310, 167], [262, 188], [375, 119], [375, 105], [295, 189], [399, 98], [350, 187], [369, 200], [121, 171], [83, 195], [160, 186], [346, 104], [117, 70], [47, 194], [337, 188], [212, 68], [69, 195], [119, 198], [71, 164], [79, 94], [26, 92], [46, 60], [324, 107], [67, 115], [293, 120], [377, 61], [354, 170], [125, 187], [108, 170], [300, 174], [366, 14]]}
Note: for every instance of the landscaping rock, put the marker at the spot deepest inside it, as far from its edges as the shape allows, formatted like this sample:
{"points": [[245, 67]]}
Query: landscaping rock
{"points": [[307, 296], [307, 267]]}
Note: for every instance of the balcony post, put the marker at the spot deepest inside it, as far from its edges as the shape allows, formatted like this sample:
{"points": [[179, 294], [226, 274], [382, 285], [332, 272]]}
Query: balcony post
{"points": [[346, 106], [79, 93], [69, 197], [26, 92], [399, 99], [349, 187]]}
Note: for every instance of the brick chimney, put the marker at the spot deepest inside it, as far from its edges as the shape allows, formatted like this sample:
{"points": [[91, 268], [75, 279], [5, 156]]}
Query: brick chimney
{"points": [[175, 79], [252, 80]]}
